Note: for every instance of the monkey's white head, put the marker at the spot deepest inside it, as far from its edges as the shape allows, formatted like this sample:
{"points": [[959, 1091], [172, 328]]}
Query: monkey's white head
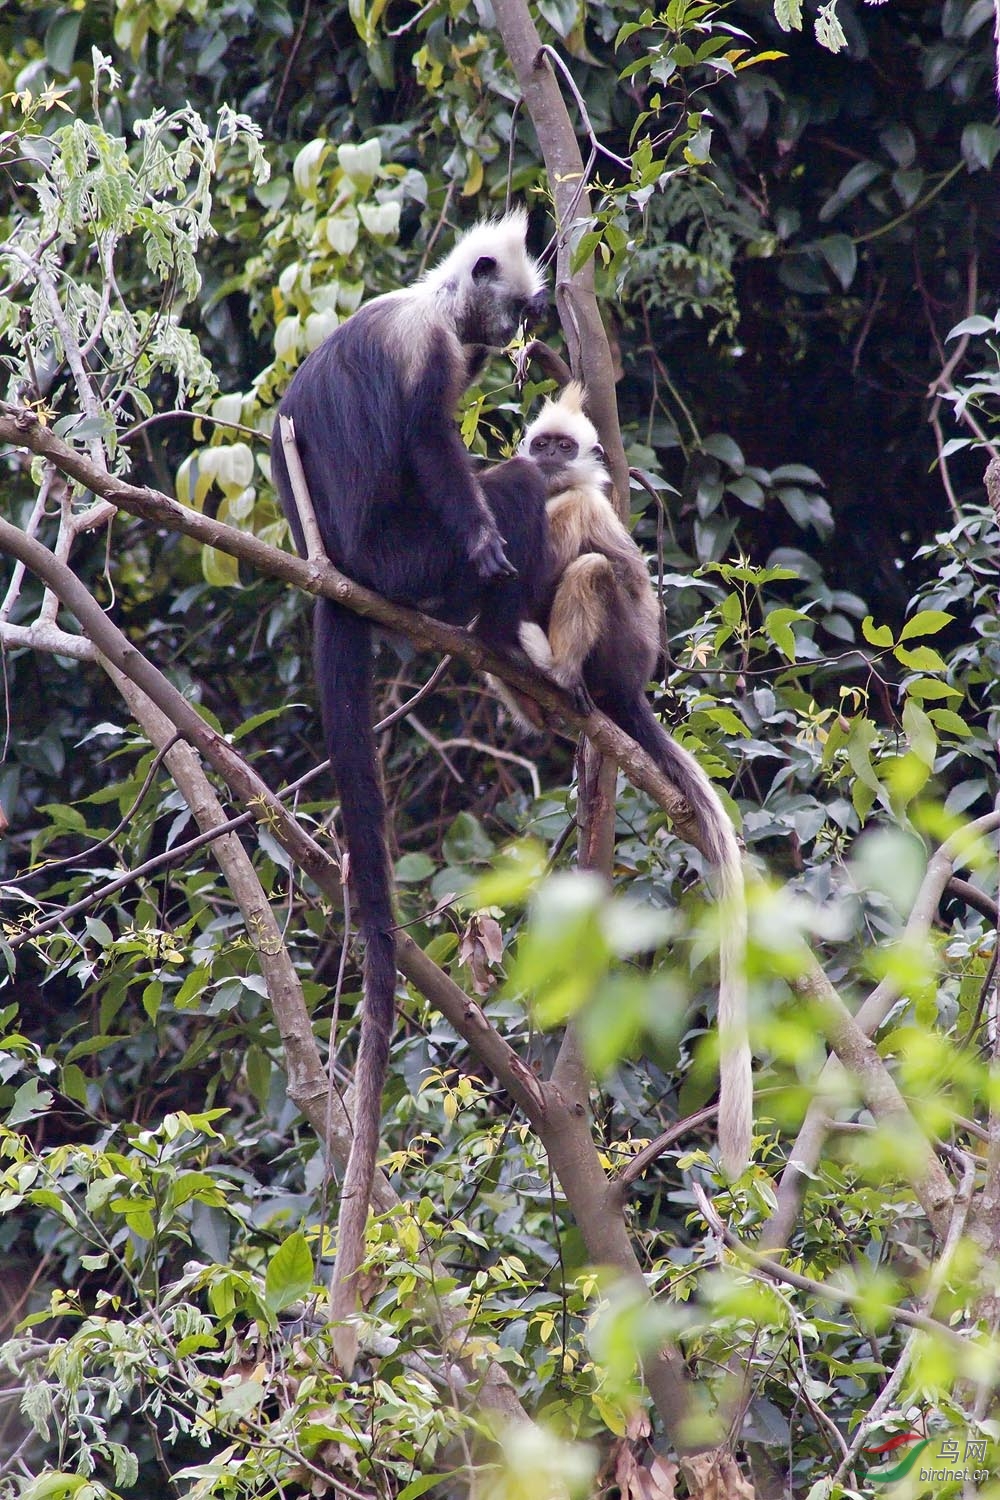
{"points": [[488, 284], [562, 441]]}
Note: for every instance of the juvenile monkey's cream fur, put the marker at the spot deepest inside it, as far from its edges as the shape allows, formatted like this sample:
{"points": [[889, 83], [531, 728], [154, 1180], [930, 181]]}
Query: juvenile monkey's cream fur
{"points": [[602, 633]]}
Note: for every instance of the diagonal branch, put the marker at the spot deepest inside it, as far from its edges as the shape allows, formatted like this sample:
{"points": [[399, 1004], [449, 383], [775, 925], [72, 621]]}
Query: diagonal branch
{"points": [[586, 337], [21, 427]]}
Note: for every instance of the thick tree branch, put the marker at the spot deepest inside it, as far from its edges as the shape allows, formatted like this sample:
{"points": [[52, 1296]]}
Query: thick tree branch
{"points": [[308, 1085], [586, 338], [20, 427], [561, 1119], [666, 1378]]}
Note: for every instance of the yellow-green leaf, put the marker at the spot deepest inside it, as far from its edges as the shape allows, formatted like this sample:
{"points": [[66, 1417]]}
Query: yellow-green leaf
{"points": [[220, 570], [927, 622], [876, 635]]}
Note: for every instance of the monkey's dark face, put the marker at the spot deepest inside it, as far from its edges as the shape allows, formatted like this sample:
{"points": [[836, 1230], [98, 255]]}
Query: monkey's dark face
{"points": [[553, 452], [496, 309]]}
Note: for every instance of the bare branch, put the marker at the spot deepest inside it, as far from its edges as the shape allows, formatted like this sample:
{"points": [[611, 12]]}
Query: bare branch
{"points": [[808, 1146], [590, 351], [21, 427], [315, 550], [828, 1292]]}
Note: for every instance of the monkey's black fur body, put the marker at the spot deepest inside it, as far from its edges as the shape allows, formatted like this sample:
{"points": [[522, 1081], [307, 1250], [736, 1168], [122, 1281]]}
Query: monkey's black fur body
{"points": [[401, 510]]}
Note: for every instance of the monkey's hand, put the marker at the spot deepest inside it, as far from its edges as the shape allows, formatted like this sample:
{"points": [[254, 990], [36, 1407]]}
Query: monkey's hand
{"points": [[487, 556]]}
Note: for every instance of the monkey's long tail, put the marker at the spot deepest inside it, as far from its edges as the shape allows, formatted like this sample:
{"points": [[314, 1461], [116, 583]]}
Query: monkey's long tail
{"points": [[723, 852], [342, 650]]}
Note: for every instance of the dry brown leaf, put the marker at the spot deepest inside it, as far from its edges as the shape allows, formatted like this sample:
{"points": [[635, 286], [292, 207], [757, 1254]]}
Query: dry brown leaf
{"points": [[716, 1476], [638, 1427], [637, 1481], [482, 945], [627, 1472], [663, 1478]]}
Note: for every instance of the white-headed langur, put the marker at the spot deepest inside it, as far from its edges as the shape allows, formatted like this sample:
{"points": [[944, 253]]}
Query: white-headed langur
{"points": [[401, 510], [602, 632]]}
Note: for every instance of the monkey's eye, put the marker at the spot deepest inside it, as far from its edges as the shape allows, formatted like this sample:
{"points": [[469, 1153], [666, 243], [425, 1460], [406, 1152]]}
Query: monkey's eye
{"points": [[567, 445], [484, 268]]}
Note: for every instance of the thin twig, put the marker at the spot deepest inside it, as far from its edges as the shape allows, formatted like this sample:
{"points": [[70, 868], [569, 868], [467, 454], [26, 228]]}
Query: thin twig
{"points": [[553, 57], [646, 1157], [315, 550], [935, 1285], [172, 856], [192, 416], [768, 1267]]}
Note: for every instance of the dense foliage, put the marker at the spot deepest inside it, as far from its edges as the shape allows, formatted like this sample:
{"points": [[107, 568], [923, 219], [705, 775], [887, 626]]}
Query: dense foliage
{"points": [[795, 239]]}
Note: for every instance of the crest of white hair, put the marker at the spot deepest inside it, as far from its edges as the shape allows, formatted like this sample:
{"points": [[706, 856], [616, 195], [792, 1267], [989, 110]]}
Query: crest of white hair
{"points": [[566, 416], [502, 240]]}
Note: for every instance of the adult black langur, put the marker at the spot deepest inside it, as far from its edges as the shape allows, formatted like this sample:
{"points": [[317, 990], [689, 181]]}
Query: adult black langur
{"points": [[400, 509], [602, 631]]}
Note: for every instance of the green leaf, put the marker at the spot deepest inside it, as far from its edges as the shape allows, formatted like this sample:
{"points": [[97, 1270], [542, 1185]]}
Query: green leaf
{"points": [[466, 842], [30, 1101], [876, 635], [778, 627], [193, 987], [854, 182], [99, 932], [721, 446], [57, 1486], [240, 1400], [289, 1273], [151, 997], [931, 687], [425, 1483], [920, 732], [747, 490], [414, 867], [564, 950], [220, 570], [920, 659], [258, 1071], [862, 736], [95, 1044], [511, 878], [926, 622], [731, 609], [949, 722], [257, 721], [980, 144], [46, 1198], [442, 946], [60, 41], [73, 1083], [841, 255]]}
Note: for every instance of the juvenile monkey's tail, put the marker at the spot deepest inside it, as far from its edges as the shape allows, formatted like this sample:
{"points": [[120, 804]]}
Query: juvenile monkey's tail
{"points": [[723, 853], [342, 650]]}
